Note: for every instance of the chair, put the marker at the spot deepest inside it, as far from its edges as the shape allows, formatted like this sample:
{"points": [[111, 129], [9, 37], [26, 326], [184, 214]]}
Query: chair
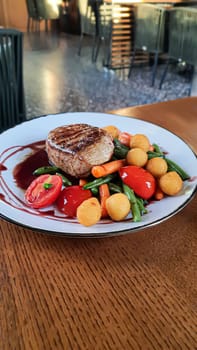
{"points": [[94, 21], [88, 24], [182, 37], [103, 15], [12, 99], [149, 33], [46, 11], [32, 14]]}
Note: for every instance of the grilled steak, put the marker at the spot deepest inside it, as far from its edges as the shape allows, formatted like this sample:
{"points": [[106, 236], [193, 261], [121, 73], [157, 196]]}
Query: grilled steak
{"points": [[76, 148]]}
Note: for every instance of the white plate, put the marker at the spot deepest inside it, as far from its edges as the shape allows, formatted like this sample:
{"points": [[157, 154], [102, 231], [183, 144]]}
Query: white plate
{"points": [[12, 152]]}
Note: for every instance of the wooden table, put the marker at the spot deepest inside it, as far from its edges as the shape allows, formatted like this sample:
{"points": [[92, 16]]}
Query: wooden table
{"points": [[136, 291]]}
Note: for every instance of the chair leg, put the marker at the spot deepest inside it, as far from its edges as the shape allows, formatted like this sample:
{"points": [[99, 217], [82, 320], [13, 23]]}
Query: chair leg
{"points": [[28, 24], [191, 76], [35, 25], [164, 73], [107, 57], [155, 68], [132, 63], [96, 49], [80, 45], [32, 24], [46, 25]]}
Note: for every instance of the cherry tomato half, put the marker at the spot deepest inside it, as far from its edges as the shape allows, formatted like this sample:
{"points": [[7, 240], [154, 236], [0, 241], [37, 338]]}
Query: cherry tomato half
{"points": [[43, 191], [70, 198], [140, 180]]}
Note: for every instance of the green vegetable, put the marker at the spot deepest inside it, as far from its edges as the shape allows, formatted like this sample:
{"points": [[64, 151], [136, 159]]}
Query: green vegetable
{"points": [[114, 188], [98, 182], [156, 148], [141, 206], [46, 170], [134, 204], [66, 181], [172, 166], [155, 154], [120, 150], [94, 191], [47, 185]]}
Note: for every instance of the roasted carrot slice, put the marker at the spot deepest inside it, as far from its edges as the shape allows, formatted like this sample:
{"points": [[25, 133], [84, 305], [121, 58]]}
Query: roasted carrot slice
{"points": [[107, 168], [104, 193]]}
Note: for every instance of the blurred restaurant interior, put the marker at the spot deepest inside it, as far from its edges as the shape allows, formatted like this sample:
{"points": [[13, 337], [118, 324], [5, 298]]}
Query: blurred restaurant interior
{"points": [[96, 55]]}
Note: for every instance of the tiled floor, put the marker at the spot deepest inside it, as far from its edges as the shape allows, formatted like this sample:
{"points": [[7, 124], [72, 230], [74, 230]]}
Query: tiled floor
{"points": [[58, 80]]}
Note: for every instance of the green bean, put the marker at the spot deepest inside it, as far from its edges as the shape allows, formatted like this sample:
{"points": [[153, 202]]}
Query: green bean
{"points": [[172, 166], [95, 191], [115, 188], [98, 182], [133, 201], [120, 150], [155, 154], [141, 206], [46, 170], [66, 181], [156, 148]]}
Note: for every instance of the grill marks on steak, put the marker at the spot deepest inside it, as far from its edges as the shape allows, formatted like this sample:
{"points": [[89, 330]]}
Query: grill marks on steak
{"points": [[74, 138], [76, 148]]}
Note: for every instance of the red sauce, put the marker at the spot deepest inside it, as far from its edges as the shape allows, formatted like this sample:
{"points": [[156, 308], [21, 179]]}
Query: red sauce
{"points": [[23, 172], [2, 197], [2, 167]]}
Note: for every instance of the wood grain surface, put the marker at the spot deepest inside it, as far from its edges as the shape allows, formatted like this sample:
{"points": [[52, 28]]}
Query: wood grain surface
{"points": [[136, 291]]}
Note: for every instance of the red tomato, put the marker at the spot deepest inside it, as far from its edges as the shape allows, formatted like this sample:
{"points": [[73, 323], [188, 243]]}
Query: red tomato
{"points": [[43, 191], [70, 198], [140, 180]]}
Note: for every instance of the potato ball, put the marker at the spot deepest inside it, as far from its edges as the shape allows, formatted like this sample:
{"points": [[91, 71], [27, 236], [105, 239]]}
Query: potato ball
{"points": [[112, 130], [171, 183], [89, 212], [137, 156], [157, 166], [118, 206], [140, 141]]}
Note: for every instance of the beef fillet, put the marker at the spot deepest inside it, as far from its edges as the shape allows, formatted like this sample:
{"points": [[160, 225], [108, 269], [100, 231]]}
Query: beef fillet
{"points": [[76, 148]]}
